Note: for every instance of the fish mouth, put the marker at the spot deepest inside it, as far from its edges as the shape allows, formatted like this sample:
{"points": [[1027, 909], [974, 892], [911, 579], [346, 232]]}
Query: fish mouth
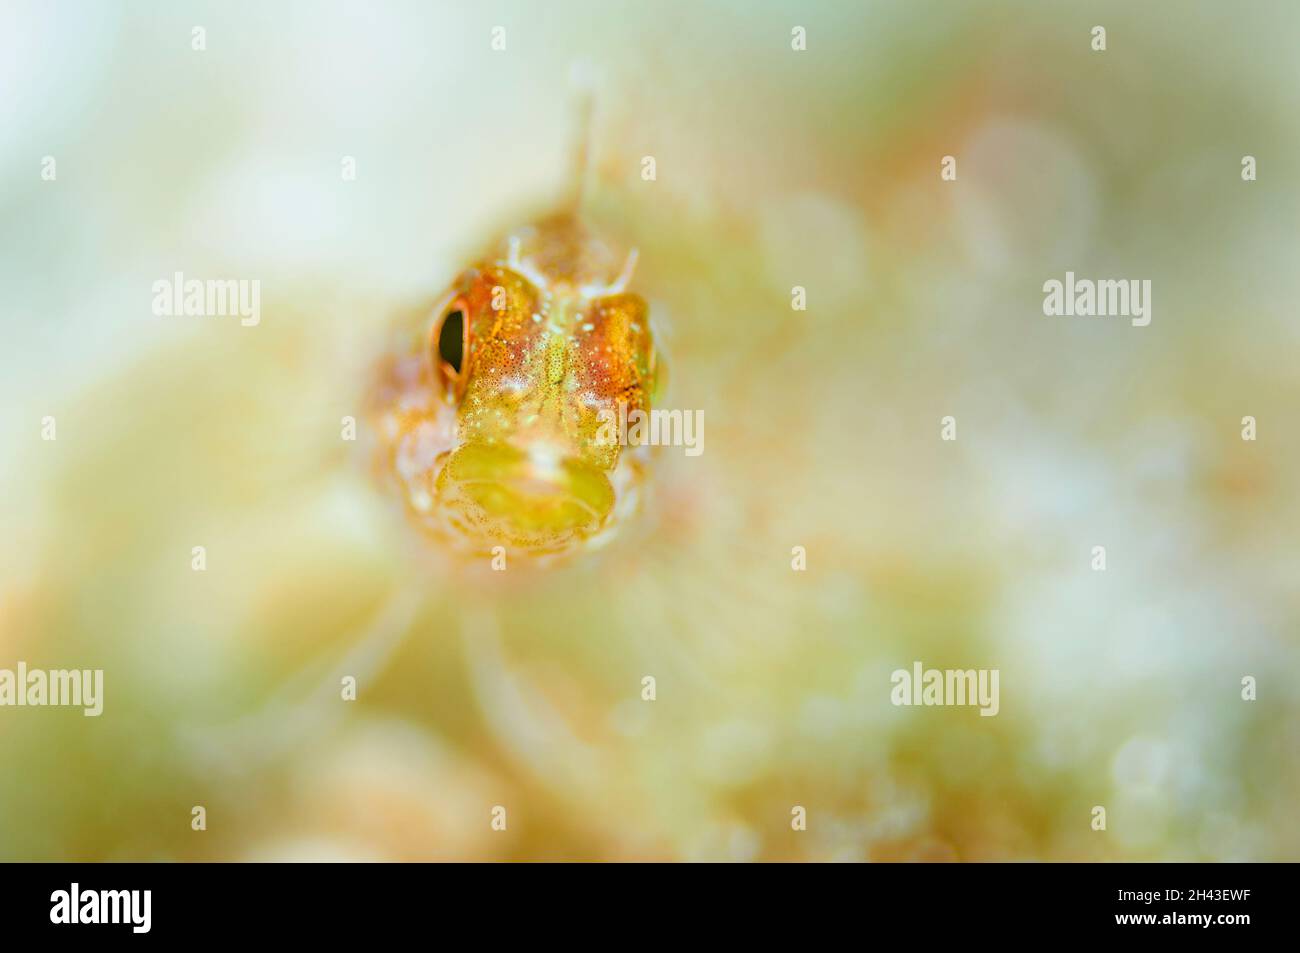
{"points": [[536, 498]]}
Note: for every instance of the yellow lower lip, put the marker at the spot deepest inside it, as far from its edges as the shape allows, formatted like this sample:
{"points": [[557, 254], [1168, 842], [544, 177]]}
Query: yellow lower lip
{"points": [[524, 498]]}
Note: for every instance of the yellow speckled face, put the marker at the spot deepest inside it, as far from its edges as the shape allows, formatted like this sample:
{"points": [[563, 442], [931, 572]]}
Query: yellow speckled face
{"points": [[494, 425]]}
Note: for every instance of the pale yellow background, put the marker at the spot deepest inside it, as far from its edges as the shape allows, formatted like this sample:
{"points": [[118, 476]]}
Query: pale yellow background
{"points": [[775, 169]]}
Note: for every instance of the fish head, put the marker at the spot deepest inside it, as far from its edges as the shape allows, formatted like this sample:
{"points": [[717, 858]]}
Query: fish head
{"points": [[528, 363]]}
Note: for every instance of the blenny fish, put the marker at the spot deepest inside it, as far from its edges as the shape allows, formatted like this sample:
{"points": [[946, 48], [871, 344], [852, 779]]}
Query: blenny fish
{"points": [[490, 423]]}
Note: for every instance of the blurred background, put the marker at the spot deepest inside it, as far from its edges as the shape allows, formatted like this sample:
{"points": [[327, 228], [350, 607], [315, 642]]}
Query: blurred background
{"points": [[775, 168]]}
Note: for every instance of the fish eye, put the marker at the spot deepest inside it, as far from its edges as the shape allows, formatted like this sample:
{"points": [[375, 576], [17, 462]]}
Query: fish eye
{"points": [[450, 344]]}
